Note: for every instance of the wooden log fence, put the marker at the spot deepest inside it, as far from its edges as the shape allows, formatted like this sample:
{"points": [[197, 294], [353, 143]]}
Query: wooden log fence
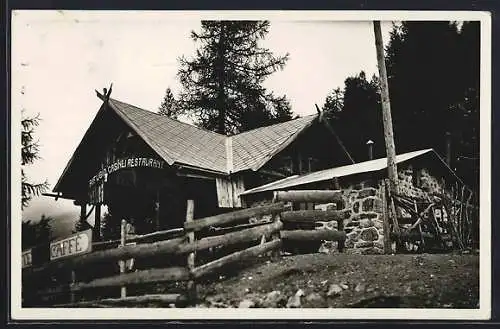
{"points": [[313, 235], [313, 196], [226, 230], [311, 216]]}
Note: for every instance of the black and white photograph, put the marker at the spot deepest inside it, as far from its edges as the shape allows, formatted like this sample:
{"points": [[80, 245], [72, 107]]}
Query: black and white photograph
{"points": [[243, 164]]}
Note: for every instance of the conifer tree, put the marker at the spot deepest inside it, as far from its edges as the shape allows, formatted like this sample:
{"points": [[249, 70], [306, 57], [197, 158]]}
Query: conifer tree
{"points": [[223, 84]]}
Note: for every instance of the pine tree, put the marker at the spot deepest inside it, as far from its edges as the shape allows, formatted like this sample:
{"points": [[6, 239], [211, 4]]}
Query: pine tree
{"points": [[334, 103], [36, 233], [169, 106], [29, 153], [222, 84]]}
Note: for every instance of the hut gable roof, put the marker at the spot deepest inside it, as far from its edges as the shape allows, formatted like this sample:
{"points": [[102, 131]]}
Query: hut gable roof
{"points": [[178, 142], [184, 144]]}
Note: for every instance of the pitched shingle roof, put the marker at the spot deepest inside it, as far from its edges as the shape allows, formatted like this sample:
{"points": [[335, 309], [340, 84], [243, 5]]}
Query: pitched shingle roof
{"points": [[182, 143], [252, 149], [173, 140]]}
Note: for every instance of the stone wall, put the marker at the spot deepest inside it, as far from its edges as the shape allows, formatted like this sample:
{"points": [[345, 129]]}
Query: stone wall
{"points": [[418, 183], [364, 227]]}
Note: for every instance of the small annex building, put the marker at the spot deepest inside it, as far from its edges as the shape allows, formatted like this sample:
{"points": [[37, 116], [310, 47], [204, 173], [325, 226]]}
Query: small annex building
{"points": [[423, 176]]}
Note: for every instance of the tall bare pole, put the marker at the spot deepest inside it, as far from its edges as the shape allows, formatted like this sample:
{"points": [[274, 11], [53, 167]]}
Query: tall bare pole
{"points": [[386, 110]]}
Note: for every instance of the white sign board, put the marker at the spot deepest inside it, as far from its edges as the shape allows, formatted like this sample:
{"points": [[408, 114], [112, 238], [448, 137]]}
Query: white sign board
{"points": [[76, 244], [27, 258]]}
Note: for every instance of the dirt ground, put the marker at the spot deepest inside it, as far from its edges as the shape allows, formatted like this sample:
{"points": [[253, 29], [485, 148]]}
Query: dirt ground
{"points": [[344, 280]]}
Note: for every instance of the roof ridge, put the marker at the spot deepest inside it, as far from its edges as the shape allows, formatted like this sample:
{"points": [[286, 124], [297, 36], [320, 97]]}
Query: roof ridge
{"points": [[169, 118], [274, 124], [210, 131]]}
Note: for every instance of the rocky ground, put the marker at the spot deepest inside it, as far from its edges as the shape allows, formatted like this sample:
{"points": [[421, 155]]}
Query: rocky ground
{"points": [[344, 280]]}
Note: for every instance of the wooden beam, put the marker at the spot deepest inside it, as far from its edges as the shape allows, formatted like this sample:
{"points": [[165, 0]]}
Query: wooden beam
{"points": [[314, 215], [97, 222], [83, 211], [308, 196], [413, 235], [228, 229], [332, 131], [56, 196], [234, 216], [191, 285], [180, 174], [385, 218], [110, 255], [313, 235], [271, 173], [139, 277], [130, 301], [157, 209], [121, 263], [236, 257], [132, 278], [246, 235]]}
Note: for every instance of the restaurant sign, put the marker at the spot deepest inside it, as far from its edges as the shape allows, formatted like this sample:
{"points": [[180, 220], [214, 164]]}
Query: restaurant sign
{"points": [[127, 163], [27, 258], [76, 244]]}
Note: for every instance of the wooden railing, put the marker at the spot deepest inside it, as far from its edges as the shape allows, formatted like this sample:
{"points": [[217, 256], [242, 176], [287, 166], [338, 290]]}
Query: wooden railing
{"points": [[183, 257]]}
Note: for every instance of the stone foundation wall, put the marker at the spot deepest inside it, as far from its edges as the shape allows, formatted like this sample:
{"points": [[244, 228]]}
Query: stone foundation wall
{"points": [[364, 227]]}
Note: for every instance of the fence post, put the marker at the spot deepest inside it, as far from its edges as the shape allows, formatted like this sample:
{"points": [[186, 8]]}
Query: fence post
{"points": [[340, 225], [72, 292], [191, 285], [123, 291], [276, 236]]}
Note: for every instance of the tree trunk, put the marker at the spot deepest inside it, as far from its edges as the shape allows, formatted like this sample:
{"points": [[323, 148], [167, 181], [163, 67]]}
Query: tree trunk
{"points": [[221, 77]]}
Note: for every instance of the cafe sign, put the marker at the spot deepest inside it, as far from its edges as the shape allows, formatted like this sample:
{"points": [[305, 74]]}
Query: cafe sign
{"points": [[76, 244], [27, 258], [126, 163]]}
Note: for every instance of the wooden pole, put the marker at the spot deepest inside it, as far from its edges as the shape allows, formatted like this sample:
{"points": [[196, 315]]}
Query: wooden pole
{"points": [[157, 210], [121, 263], [97, 222], [385, 218], [419, 218], [73, 282], [83, 212], [340, 228], [448, 149], [276, 236], [386, 110], [462, 216], [191, 285]]}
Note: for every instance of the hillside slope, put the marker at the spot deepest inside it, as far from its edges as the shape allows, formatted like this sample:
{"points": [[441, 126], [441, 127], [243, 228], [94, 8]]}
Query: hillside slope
{"points": [[342, 280]]}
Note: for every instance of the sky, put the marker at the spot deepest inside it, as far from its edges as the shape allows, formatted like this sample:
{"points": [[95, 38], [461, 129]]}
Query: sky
{"points": [[60, 57]]}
